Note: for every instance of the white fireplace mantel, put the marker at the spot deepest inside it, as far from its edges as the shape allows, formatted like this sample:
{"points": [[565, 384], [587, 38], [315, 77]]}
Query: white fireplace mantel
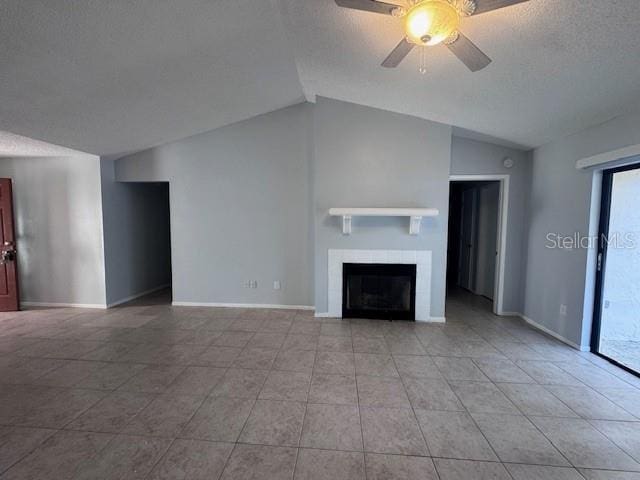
{"points": [[415, 215]]}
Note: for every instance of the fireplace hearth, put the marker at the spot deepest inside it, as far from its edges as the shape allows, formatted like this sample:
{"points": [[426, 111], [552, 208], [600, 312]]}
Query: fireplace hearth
{"points": [[382, 291]]}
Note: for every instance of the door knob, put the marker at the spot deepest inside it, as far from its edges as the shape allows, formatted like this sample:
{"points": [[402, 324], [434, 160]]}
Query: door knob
{"points": [[7, 256]]}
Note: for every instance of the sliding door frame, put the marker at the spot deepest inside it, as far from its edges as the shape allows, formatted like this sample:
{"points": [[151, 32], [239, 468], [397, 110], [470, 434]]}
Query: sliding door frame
{"points": [[601, 267]]}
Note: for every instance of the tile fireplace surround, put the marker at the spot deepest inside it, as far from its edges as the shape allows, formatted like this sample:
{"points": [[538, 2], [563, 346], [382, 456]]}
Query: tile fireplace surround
{"points": [[420, 258]]}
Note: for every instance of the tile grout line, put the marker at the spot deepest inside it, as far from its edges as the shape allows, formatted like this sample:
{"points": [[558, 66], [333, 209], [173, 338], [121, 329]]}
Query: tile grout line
{"points": [[466, 410], [404, 386], [521, 414], [470, 416], [272, 369], [632, 456], [30, 451], [355, 376], [304, 417]]}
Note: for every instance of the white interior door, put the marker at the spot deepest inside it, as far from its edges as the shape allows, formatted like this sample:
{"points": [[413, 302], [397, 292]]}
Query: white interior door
{"points": [[487, 239], [467, 239]]}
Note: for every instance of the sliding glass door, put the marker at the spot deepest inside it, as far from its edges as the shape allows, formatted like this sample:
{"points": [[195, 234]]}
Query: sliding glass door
{"points": [[616, 326]]}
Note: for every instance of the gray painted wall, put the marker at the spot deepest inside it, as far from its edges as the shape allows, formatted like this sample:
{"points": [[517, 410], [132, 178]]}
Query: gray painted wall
{"points": [[364, 157], [239, 209], [252, 199], [472, 157], [137, 245], [58, 215], [561, 201]]}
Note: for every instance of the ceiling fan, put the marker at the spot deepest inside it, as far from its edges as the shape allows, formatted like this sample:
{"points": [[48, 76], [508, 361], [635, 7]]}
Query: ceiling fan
{"points": [[431, 22]]}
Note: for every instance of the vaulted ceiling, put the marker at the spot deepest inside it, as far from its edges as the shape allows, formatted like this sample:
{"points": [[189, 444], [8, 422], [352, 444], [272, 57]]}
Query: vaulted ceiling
{"points": [[109, 77], [115, 76], [558, 66], [12, 145]]}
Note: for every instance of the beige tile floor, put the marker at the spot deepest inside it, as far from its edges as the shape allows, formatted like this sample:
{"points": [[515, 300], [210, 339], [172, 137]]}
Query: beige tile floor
{"points": [[626, 352], [149, 391]]}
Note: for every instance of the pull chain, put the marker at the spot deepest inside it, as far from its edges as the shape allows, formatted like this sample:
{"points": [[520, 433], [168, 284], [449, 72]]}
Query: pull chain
{"points": [[423, 61]]}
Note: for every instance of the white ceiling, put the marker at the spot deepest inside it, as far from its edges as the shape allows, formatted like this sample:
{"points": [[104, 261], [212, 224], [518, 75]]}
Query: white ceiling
{"points": [[116, 76], [12, 145], [558, 66], [112, 76]]}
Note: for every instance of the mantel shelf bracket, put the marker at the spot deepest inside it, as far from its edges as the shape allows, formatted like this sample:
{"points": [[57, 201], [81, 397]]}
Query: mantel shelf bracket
{"points": [[414, 225], [415, 216], [346, 224]]}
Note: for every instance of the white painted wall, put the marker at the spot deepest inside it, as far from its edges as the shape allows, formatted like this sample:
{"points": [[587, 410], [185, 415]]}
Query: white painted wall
{"points": [[561, 201], [58, 213]]}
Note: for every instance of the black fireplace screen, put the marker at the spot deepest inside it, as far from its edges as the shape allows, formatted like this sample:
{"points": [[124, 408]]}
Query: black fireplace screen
{"points": [[386, 291]]}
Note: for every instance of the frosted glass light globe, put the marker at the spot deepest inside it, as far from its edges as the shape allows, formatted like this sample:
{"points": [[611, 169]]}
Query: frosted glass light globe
{"points": [[430, 22]]}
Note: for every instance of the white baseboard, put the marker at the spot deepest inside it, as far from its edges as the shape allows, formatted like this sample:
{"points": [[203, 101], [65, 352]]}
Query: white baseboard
{"points": [[435, 320], [557, 336], [322, 315], [137, 295], [243, 305], [101, 306]]}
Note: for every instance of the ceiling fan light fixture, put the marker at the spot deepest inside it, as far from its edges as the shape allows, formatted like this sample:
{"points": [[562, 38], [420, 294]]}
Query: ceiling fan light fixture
{"points": [[465, 7], [430, 22], [451, 39]]}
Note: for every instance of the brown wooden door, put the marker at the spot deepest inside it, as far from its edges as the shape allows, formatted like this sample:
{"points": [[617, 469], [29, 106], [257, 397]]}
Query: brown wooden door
{"points": [[8, 256]]}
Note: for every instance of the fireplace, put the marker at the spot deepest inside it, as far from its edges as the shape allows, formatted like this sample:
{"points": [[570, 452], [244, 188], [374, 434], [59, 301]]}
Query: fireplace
{"points": [[377, 290], [420, 259]]}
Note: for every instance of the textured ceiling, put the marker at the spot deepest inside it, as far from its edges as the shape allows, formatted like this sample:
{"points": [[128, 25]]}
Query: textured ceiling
{"points": [[112, 76], [12, 145], [558, 66], [116, 76]]}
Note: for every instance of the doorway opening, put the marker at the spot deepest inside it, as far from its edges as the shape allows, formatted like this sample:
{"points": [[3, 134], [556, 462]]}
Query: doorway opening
{"points": [[616, 323], [138, 245], [475, 250]]}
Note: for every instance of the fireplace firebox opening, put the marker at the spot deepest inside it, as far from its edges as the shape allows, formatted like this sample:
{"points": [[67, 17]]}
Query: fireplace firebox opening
{"points": [[382, 291]]}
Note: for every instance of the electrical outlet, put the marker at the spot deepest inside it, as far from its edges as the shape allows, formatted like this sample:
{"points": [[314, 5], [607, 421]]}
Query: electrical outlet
{"points": [[563, 310], [276, 285]]}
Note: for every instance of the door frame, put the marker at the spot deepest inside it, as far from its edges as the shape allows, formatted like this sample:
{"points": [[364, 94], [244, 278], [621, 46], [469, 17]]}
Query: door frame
{"points": [[503, 217], [601, 258], [10, 244]]}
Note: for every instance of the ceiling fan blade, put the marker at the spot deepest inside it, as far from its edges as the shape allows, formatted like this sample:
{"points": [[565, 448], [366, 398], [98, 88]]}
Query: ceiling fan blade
{"points": [[484, 6], [397, 54], [469, 54], [368, 6]]}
